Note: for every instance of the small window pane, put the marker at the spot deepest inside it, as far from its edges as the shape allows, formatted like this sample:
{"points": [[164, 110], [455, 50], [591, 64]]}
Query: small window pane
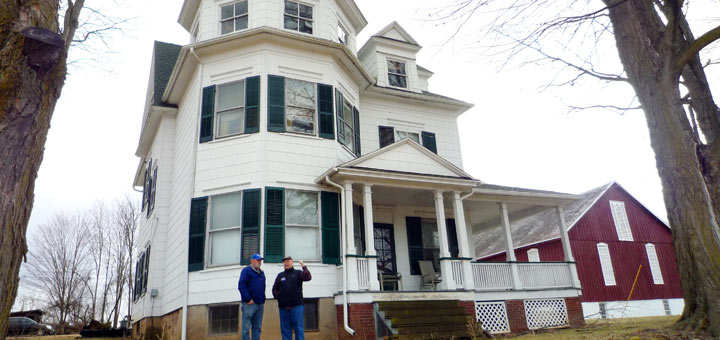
{"points": [[226, 26], [400, 135], [347, 113], [241, 23], [226, 12], [398, 81], [300, 93], [396, 67], [306, 11], [349, 138], [226, 211], [304, 244], [241, 8], [300, 120], [342, 35], [231, 95], [291, 23], [302, 208], [225, 247], [231, 122], [306, 26], [291, 8]]}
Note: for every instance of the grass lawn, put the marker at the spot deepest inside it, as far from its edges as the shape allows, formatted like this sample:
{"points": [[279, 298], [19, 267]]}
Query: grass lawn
{"points": [[647, 328]]}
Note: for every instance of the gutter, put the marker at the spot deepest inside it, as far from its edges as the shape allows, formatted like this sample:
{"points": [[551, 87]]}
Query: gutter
{"points": [[346, 322]]}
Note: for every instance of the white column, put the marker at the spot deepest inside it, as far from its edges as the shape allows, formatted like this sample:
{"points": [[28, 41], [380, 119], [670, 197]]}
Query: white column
{"points": [[350, 262], [567, 250], [510, 250], [463, 240], [445, 265], [370, 237]]}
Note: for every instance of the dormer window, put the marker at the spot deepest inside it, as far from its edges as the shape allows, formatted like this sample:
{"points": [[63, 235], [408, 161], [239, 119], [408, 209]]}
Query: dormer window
{"points": [[233, 17], [298, 17], [397, 76], [342, 35]]}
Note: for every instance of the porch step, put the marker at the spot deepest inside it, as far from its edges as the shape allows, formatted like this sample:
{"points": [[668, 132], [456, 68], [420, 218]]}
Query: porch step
{"points": [[421, 320]]}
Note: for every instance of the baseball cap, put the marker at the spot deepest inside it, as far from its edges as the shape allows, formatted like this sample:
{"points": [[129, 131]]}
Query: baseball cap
{"points": [[256, 256], [287, 258]]}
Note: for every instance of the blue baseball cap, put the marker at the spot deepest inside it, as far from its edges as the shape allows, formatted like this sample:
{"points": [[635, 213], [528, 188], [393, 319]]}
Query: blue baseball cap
{"points": [[256, 256]]}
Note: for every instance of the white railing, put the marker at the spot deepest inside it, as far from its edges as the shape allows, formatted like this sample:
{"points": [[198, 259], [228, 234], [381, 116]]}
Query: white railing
{"points": [[457, 273], [545, 275], [363, 273], [492, 275]]}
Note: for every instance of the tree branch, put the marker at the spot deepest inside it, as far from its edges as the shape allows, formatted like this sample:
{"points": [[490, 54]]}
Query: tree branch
{"points": [[697, 45]]}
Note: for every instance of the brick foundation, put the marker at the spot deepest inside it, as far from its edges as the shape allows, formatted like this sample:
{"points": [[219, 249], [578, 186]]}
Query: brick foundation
{"points": [[516, 316], [167, 327], [575, 312], [362, 321]]}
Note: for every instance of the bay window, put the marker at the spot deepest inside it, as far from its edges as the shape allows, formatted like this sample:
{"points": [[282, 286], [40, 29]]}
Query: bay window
{"points": [[300, 106]]}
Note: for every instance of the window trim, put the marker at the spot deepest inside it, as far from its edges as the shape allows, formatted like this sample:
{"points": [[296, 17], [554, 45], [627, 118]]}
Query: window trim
{"points": [[221, 20], [217, 111], [298, 17], [208, 224], [316, 129], [209, 318], [308, 226], [387, 67]]}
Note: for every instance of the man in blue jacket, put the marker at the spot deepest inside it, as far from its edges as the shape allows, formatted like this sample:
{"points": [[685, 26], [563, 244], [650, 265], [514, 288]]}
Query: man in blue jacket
{"points": [[252, 290]]}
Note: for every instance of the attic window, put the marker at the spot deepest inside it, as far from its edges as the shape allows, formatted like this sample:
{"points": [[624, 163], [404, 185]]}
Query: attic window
{"points": [[342, 35], [396, 73], [298, 17], [234, 17]]}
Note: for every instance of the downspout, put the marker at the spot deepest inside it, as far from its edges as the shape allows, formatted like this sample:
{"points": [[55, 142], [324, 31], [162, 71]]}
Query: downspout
{"points": [[346, 323], [183, 331]]}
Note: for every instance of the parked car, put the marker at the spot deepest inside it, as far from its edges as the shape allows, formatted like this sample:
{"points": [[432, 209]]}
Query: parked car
{"points": [[24, 325]]}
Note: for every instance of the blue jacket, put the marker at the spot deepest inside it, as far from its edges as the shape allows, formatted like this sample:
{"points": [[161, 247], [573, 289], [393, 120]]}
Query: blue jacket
{"points": [[252, 285]]}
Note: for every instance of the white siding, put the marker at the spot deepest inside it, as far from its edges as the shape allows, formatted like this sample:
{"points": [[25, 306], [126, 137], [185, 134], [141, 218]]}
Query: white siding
{"points": [[606, 264], [622, 225], [533, 255], [654, 264]]}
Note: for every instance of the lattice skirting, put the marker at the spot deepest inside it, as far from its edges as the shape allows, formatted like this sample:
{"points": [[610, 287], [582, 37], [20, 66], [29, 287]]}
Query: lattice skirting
{"points": [[545, 313], [493, 315]]}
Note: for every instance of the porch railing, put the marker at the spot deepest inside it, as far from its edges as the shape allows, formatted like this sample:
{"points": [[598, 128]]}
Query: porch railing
{"points": [[457, 273], [492, 275], [545, 275], [363, 273]]}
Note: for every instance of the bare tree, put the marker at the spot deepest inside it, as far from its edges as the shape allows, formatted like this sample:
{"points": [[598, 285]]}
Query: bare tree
{"points": [[58, 267], [127, 218], [660, 58]]}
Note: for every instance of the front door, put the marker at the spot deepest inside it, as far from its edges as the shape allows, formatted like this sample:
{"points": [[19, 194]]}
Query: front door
{"points": [[385, 248]]}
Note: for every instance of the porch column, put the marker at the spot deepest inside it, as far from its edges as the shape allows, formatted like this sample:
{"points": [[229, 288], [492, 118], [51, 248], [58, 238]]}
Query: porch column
{"points": [[567, 250], [350, 251], [510, 250], [370, 237], [445, 262], [463, 241]]}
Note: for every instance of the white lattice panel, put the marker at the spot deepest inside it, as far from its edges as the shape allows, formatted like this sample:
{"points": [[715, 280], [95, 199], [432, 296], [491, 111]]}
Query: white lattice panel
{"points": [[493, 316], [545, 313]]}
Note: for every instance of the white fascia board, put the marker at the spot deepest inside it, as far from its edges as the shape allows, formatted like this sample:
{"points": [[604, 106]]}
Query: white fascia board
{"points": [[150, 126], [480, 194], [459, 107], [352, 11], [187, 13], [403, 180], [136, 180]]}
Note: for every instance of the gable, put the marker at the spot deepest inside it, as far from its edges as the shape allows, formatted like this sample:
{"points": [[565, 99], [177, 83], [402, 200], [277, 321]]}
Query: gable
{"points": [[395, 35], [395, 32]]}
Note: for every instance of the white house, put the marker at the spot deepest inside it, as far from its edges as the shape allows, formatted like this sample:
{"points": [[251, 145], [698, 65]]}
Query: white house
{"points": [[271, 132]]}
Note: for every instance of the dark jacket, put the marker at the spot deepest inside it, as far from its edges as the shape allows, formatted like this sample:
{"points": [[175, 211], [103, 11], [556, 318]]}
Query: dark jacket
{"points": [[252, 285], [288, 287]]}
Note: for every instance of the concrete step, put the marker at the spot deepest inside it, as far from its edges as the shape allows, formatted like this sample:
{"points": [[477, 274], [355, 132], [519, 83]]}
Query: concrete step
{"points": [[433, 336], [391, 313], [428, 320], [430, 305], [434, 328]]}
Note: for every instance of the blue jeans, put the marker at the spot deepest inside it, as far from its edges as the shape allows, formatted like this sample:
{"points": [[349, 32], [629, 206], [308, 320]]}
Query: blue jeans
{"points": [[252, 316], [292, 319]]}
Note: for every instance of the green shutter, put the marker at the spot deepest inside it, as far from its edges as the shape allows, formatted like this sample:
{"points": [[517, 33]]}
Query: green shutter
{"points": [[361, 214], [356, 118], [250, 224], [452, 237], [415, 243], [276, 103], [196, 245], [339, 116], [325, 111], [387, 135], [252, 104], [428, 140], [274, 224], [330, 227], [207, 113]]}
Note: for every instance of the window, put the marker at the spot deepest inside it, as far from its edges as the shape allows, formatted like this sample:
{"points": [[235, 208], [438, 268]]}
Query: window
{"points": [[342, 35], [224, 229], [141, 273], [666, 306], [298, 17], [396, 73], [302, 225], [622, 225], [311, 314], [533, 255], [431, 242], [359, 228], [606, 264], [233, 17], [223, 319], [149, 187], [654, 264], [348, 122], [230, 109], [300, 106], [400, 135], [603, 310]]}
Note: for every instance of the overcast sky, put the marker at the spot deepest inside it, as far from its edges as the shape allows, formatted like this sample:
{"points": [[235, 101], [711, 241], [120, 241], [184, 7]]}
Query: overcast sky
{"points": [[515, 135]]}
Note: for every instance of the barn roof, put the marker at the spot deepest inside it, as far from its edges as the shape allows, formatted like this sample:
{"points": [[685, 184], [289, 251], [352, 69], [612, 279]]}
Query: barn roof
{"points": [[536, 228]]}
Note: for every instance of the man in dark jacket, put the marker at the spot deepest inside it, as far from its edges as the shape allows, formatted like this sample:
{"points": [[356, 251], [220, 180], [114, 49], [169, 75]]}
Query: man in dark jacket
{"points": [[288, 292], [252, 290]]}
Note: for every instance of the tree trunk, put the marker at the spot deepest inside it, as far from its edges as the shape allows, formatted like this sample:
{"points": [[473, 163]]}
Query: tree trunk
{"points": [[27, 100], [648, 52]]}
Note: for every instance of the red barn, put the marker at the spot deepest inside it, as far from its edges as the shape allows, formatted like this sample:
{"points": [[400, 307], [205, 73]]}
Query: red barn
{"points": [[614, 238]]}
